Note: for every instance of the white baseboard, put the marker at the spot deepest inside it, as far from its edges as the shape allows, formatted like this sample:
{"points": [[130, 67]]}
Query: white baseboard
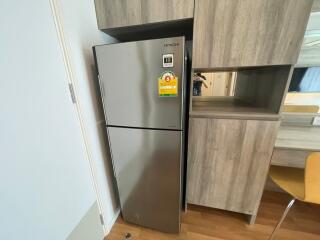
{"points": [[113, 220], [89, 227]]}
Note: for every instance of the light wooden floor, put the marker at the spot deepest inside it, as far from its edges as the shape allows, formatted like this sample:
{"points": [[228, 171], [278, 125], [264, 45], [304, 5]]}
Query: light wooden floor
{"points": [[199, 223]]}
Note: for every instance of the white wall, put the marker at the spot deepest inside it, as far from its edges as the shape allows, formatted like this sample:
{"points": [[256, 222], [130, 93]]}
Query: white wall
{"points": [[81, 33], [45, 180]]}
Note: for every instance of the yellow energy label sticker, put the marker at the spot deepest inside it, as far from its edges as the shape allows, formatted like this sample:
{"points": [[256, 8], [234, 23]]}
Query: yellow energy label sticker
{"points": [[168, 84]]}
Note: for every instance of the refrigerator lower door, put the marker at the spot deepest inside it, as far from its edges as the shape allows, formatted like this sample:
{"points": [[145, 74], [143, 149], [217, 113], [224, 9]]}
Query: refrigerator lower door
{"points": [[147, 167]]}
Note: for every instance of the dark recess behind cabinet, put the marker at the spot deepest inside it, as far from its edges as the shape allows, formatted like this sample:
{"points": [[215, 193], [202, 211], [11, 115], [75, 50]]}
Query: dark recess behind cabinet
{"points": [[153, 30]]}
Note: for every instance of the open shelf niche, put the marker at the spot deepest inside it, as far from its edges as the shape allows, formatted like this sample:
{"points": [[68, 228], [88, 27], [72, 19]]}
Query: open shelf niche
{"points": [[249, 93]]}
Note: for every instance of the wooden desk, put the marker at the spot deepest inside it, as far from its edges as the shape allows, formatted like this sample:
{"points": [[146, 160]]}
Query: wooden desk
{"points": [[294, 144], [298, 138]]}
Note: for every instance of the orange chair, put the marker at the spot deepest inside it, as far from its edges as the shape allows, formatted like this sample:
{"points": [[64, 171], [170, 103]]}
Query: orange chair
{"points": [[301, 184], [301, 108]]}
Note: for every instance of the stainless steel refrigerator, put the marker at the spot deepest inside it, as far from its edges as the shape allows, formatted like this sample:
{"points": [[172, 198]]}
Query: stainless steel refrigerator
{"points": [[143, 87]]}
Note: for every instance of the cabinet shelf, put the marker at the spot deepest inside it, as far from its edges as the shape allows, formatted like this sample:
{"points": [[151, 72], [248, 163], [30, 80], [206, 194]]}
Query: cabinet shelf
{"points": [[229, 107], [255, 93]]}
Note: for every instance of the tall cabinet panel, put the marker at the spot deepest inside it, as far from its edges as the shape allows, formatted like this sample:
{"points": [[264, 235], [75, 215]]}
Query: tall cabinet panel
{"points": [[123, 13], [228, 161], [236, 33]]}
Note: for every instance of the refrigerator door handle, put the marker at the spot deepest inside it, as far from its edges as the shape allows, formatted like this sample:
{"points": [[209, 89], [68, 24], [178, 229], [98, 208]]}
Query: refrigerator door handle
{"points": [[102, 86]]}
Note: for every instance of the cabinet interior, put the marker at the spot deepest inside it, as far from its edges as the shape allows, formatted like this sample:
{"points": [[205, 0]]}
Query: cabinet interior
{"points": [[241, 91]]}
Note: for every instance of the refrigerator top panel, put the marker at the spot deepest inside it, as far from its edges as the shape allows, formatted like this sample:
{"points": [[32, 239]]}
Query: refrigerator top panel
{"points": [[142, 83]]}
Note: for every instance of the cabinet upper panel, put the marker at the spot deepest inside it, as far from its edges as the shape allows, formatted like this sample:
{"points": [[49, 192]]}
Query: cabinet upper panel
{"points": [[235, 33], [122, 13]]}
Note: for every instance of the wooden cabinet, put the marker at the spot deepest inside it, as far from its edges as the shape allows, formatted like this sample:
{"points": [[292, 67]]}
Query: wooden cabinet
{"points": [[237, 33], [123, 13], [228, 161]]}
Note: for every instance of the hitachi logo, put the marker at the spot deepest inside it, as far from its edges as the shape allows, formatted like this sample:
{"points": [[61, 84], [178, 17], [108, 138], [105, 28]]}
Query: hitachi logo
{"points": [[171, 44]]}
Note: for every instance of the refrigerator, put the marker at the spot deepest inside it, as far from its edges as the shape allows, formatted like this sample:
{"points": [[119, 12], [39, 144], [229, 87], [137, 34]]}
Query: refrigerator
{"points": [[143, 88]]}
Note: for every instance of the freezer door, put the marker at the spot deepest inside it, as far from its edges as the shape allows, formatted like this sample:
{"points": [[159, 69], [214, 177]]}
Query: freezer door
{"points": [[129, 80], [148, 170]]}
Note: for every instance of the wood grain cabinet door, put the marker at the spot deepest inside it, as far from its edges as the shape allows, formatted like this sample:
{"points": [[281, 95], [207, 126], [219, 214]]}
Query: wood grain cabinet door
{"points": [[122, 13], [228, 161], [235, 33]]}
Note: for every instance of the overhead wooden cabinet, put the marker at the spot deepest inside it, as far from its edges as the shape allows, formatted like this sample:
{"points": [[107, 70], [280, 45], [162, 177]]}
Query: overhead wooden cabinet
{"points": [[124, 13], [228, 162], [237, 33]]}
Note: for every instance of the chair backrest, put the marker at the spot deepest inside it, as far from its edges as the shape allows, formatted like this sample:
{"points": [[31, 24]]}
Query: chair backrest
{"points": [[301, 108], [312, 178]]}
